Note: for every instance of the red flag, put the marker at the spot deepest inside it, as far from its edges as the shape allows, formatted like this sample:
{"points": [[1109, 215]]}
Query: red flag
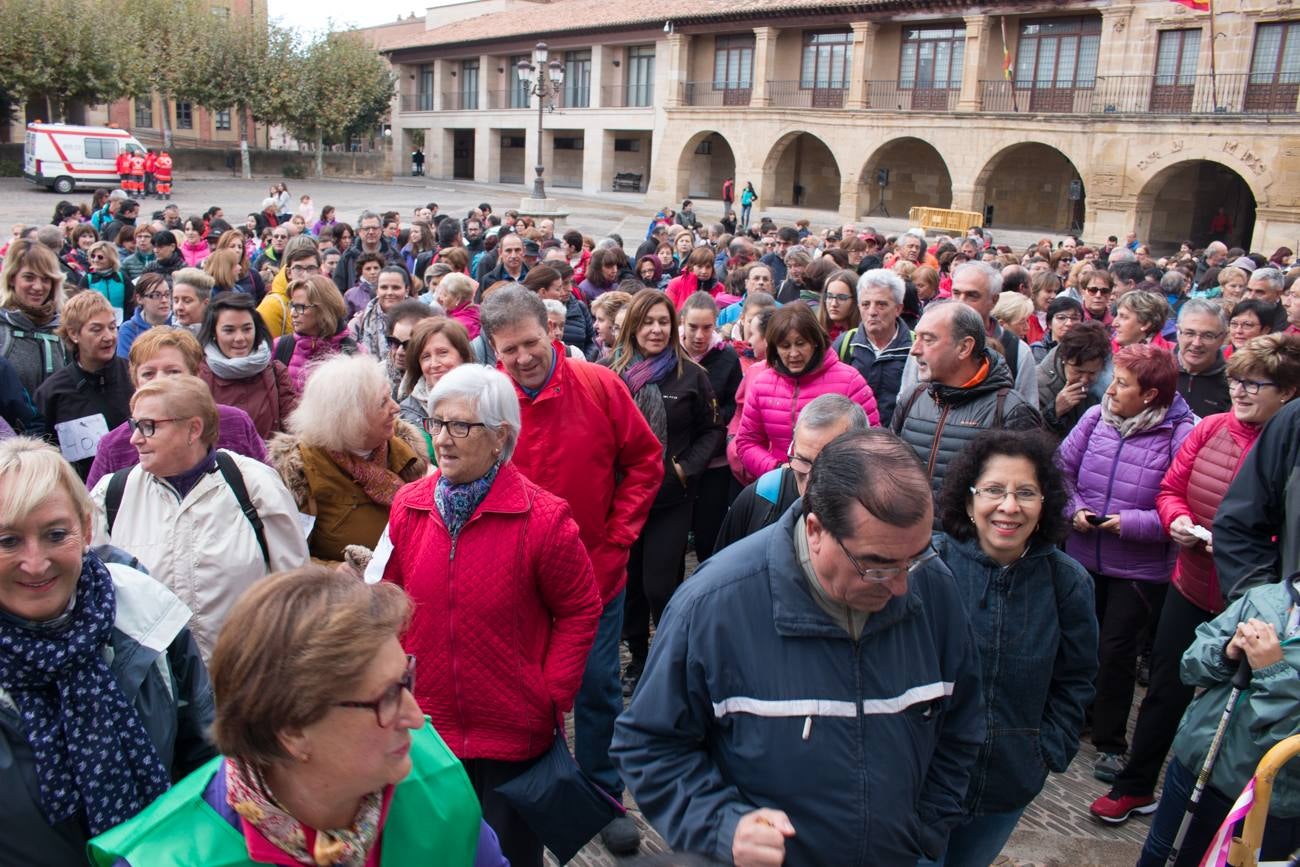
{"points": [[1198, 5]]}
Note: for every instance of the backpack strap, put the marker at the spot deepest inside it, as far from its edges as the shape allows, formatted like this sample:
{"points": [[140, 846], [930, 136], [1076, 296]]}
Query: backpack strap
{"points": [[907, 407], [768, 485], [113, 497], [846, 343], [284, 349], [590, 383], [235, 479], [1002, 402]]}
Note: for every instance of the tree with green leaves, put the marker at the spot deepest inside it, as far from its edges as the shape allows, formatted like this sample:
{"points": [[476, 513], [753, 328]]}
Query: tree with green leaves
{"points": [[152, 35]]}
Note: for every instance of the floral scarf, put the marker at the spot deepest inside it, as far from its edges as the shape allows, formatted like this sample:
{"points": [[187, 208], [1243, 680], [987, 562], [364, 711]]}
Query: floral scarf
{"points": [[249, 796], [643, 376], [372, 474], [1133, 425], [456, 502]]}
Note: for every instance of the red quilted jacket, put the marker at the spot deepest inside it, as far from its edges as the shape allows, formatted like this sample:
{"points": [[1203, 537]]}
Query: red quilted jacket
{"points": [[1194, 485], [504, 616]]}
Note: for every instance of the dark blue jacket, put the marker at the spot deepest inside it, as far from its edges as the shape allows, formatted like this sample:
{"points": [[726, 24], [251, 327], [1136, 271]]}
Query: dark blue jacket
{"points": [[1036, 627], [16, 405], [882, 369], [754, 697]]}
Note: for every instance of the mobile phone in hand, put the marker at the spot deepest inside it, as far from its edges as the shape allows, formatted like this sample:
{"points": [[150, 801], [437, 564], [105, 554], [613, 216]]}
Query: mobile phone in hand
{"points": [[1095, 520]]}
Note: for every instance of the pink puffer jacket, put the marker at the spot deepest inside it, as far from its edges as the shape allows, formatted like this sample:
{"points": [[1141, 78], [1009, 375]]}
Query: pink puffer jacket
{"points": [[774, 400]]}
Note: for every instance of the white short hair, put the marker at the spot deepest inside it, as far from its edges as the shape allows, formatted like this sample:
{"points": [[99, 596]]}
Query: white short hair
{"points": [[882, 278], [992, 276], [490, 392], [337, 401]]}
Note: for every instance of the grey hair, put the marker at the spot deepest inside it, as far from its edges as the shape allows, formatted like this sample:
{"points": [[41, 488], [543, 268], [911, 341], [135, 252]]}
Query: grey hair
{"points": [[1173, 283], [992, 276], [509, 306], [337, 401], [829, 410], [1193, 306], [51, 236], [882, 278], [1120, 254], [555, 308], [1272, 275], [492, 395], [368, 215], [965, 323], [608, 244], [1215, 248], [919, 234]]}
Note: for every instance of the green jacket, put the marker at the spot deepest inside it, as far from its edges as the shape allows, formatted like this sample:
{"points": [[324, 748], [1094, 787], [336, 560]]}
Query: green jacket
{"points": [[1267, 712], [433, 818]]}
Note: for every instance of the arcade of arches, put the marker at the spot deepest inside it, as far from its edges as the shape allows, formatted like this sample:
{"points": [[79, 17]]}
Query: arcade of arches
{"points": [[1095, 184]]}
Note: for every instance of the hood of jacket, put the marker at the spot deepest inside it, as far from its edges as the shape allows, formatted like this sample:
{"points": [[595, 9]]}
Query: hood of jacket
{"points": [[15, 318], [999, 377]]}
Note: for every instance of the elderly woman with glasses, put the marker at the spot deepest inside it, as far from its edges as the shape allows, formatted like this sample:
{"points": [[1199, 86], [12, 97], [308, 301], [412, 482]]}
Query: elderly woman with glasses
{"points": [[205, 522], [326, 758], [106, 698], [505, 598], [1031, 609]]}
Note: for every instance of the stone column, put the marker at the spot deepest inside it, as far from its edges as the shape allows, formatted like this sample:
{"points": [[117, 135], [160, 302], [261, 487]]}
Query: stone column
{"points": [[864, 45], [487, 73], [979, 33], [440, 79], [601, 55], [672, 56], [764, 65], [597, 153]]}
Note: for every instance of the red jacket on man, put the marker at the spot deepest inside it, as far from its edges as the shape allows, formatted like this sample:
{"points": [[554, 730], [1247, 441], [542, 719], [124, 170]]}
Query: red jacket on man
{"points": [[163, 167], [150, 160], [137, 164], [122, 165], [503, 618], [597, 452]]}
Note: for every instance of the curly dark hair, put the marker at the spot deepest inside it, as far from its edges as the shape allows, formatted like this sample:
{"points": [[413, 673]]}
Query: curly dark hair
{"points": [[1036, 447]]}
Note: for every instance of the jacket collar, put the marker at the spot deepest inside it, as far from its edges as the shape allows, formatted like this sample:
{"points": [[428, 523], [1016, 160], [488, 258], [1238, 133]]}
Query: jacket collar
{"points": [[998, 377], [795, 612], [507, 496]]}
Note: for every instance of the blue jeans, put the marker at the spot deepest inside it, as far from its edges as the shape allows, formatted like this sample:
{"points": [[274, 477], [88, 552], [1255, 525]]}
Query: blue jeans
{"points": [[600, 701], [977, 841], [744, 219]]}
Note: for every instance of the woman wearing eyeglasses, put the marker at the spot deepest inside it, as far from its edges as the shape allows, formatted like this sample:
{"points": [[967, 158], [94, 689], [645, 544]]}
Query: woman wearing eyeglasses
{"points": [[1262, 376], [1114, 460], [1002, 507], [838, 311], [326, 759], [506, 603], [347, 454], [238, 367], [85, 400], [178, 512], [153, 306], [107, 278], [1096, 295], [320, 329]]}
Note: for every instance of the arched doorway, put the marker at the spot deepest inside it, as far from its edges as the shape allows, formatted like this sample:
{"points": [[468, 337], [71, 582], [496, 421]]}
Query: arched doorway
{"points": [[801, 171], [1031, 186], [1179, 204], [706, 161], [903, 174]]}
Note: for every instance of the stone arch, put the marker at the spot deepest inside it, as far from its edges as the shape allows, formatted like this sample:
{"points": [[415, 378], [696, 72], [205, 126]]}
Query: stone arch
{"points": [[1031, 185], [706, 160], [1179, 201], [801, 163], [918, 175]]}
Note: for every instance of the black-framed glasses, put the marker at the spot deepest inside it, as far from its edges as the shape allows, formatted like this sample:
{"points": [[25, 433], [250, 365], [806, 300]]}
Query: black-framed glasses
{"points": [[838, 297], [798, 463], [1249, 386], [1067, 317], [299, 309], [304, 269], [156, 296], [147, 426], [458, 429], [394, 343], [878, 576], [389, 704]]}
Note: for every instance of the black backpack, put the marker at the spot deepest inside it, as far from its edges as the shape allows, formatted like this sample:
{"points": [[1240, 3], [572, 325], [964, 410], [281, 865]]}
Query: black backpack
{"points": [[229, 471]]}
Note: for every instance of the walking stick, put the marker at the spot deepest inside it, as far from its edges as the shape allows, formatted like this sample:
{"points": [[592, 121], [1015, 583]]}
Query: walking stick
{"points": [[1240, 680]]}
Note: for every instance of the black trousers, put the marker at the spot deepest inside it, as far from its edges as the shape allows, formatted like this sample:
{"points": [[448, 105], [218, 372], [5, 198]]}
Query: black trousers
{"points": [[519, 844], [1124, 609], [713, 498], [1167, 696], [653, 572]]}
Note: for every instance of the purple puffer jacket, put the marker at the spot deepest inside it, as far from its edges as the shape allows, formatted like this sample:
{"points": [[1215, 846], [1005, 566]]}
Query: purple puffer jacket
{"points": [[1110, 475], [774, 400], [236, 433]]}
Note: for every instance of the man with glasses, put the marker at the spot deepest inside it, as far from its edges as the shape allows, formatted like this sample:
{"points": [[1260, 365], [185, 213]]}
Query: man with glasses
{"points": [[370, 239], [301, 262], [814, 695], [763, 502], [1202, 377], [273, 253]]}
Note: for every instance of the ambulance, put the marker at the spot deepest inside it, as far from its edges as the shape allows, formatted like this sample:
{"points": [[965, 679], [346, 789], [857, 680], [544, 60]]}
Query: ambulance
{"points": [[62, 158]]}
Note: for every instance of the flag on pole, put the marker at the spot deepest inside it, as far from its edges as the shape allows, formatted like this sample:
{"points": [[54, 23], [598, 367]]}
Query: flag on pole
{"points": [[1217, 854], [1198, 5], [1006, 52]]}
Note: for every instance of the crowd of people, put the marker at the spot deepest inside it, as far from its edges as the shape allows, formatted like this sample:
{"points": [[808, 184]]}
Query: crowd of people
{"points": [[950, 502]]}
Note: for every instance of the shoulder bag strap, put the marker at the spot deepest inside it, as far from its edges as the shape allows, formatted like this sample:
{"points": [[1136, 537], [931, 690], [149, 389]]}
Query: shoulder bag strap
{"points": [[235, 479]]}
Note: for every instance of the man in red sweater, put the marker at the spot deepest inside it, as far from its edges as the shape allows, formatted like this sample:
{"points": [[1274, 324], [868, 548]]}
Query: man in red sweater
{"points": [[583, 440]]}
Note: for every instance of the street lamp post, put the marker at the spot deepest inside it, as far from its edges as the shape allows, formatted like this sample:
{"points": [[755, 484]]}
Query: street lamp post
{"points": [[542, 80]]}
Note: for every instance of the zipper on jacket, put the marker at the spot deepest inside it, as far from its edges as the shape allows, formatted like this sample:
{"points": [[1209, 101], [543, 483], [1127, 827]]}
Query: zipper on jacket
{"points": [[862, 739]]}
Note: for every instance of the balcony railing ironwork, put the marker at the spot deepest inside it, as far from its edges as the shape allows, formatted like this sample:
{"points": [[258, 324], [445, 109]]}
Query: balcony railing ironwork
{"points": [[910, 96], [417, 102], [716, 93], [795, 94], [1184, 95], [627, 95]]}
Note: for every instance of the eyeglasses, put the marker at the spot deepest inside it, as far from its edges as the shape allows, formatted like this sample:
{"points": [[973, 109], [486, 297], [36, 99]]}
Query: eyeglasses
{"points": [[1098, 290], [304, 269], [1238, 324], [394, 343], [997, 493], [147, 426], [838, 297], [299, 309], [798, 463], [1203, 336], [880, 575], [458, 429], [389, 704], [1249, 386], [157, 296], [1067, 317], [99, 257]]}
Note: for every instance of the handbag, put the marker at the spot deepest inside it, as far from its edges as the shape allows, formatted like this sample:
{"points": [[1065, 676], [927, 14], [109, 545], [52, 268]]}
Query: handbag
{"points": [[562, 806]]}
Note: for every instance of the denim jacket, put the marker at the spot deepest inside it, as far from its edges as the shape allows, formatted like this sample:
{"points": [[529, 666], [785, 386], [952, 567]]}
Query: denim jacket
{"points": [[1036, 631]]}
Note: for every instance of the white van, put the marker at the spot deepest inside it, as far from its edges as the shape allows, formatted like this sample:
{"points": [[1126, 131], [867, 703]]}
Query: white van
{"points": [[62, 158]]}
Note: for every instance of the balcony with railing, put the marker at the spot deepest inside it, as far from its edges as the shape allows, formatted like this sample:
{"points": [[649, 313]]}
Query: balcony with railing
{"points": [[911, 96], [1181, 95], [796, 94], [709, 93], [627, 95], [505, 100], [460, 100], [417, 102]]}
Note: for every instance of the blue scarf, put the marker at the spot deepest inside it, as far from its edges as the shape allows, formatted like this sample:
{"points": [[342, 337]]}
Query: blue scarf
{"points": [[93, 755], [456, 502]]}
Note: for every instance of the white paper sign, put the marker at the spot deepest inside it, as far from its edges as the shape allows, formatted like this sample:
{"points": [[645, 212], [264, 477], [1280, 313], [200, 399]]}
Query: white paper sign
{"points": [[79, 438], [379, 561], [306, 522]]}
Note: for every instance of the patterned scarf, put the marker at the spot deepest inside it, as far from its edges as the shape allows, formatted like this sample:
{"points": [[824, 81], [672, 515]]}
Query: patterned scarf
{"points": [[1135, 424], [93, 755], [42, 315], [249, 796], [456, 502], [372, 474], [643, 376]]}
